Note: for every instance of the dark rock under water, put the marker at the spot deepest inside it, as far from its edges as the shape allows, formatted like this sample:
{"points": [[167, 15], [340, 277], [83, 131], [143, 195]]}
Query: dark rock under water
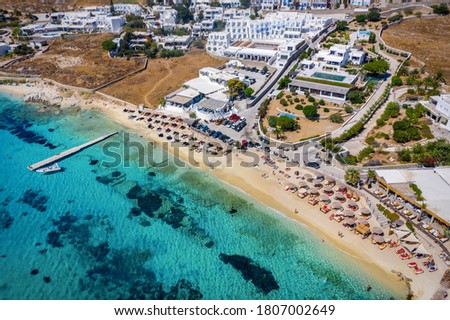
{"points": [[35, 200], [6, 220], [261, 278]]}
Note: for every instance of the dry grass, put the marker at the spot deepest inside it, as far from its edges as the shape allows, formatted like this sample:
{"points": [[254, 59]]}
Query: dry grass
{"points": [[47, 5], [161, 77], [308, 128], [80, 62], [427, 39]]}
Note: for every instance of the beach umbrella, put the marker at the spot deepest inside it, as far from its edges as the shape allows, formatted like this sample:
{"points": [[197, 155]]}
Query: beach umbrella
{"points": [[319, 176], [348, 221], [355, 197], [313, 191], [327, 189], [378, 239], [348, 213], [365, 211], [307, 176], [340, 196], [341, 187], [330, 181], [352, 204], [317, 182], [399, 222], [291, 186], [302, 184], [363, 221], [349, 193], [324, 198], [377, 231], [336, 205]]}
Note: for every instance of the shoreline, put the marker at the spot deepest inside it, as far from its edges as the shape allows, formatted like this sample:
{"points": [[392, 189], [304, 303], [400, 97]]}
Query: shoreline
{"points": [[379, 264]]}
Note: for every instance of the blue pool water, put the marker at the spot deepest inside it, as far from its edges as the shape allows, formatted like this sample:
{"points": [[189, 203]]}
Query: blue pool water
{"points": [[287, 115], [97, 231], [328, 76], [364, 32]]}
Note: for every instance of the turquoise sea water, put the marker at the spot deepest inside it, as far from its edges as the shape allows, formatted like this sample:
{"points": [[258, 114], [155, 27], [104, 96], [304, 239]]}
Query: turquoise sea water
{"points": [[161, 232]]}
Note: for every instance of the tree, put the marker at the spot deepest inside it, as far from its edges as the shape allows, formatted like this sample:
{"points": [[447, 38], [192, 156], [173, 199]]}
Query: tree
{"points": [[439, 76], [283, 83], [372, 37], [361, 18], [341, 25], [352, 176], [109, 45], [184, 14], [336, 118], [441, 9], [236, 87], [310, 111], [23, 49], [252, 17], [273, 121], [248, 91], [418, 14], [378, 67], [356, 96], [373, 15], [245, 3], [286, 123], [396, 81], [371, 174]]}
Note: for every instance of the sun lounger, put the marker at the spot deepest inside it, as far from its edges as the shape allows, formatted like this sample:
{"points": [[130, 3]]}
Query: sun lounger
{"points": [[418, 271], [412, 264]]}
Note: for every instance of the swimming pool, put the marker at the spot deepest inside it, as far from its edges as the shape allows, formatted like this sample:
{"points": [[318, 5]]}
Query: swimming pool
{"points": [[328, 76], [363, 33], [49, 35], [287, 115]]}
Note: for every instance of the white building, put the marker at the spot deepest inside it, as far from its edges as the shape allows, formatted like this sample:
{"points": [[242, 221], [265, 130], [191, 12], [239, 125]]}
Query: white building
{"points": [[218, 42], [439, 108], [167, 16], [4, 48], [286, 50], [213, 13], [339, 55], [234, 13], [361, 3], [175, 42], [275, 25], [119, 8]]}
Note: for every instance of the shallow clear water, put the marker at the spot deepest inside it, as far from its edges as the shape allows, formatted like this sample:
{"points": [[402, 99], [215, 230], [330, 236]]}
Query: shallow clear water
{"points": [[99, 232]]}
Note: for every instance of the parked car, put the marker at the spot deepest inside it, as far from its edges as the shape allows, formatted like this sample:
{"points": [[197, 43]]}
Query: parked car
{"points": [[312, 164]]}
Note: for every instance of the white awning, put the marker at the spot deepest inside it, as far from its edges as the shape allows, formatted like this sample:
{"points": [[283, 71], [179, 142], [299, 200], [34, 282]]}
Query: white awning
{"points": [[411, 238], [410, 247], [421, 249], [401, 233]]}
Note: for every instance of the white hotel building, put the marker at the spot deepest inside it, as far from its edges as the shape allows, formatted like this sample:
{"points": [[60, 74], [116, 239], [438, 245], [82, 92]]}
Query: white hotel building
{"points": [[278, 25]]}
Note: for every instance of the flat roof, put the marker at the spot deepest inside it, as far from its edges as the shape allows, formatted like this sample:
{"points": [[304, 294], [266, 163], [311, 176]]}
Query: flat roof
{"points": [[179, 99], [211, 104], [190, 93], [203, 85], [320, 86], [433, 182]]}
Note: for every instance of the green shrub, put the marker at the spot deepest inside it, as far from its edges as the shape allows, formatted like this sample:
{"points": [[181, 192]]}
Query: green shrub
{"points": [[326, 110], [311, 99], [283, 102], [299, 107]]}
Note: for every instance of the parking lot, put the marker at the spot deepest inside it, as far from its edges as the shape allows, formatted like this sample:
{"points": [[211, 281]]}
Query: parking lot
{"points": [[251, 73]]}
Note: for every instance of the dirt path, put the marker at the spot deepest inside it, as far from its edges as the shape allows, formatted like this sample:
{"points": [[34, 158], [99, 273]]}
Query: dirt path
{"points": [[157, 84]]}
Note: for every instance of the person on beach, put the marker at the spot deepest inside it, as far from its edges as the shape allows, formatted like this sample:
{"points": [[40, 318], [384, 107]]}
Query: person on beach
{"points": [[296, 211]]}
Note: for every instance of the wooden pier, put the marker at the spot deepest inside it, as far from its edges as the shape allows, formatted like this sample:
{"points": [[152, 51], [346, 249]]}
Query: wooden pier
{"points": [[69, 152]]}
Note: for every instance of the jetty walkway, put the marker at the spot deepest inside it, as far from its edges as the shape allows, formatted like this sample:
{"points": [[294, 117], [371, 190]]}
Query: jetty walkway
{"points": [[69, 152]]}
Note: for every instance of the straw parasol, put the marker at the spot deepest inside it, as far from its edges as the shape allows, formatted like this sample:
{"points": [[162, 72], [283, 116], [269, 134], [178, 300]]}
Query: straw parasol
{"points": [[324, 198], [340, 196], [355, 197], [352, 203], [341, 187], [336, 205], [348, 221], [302, 190], [330, 181], [377, 231], [327, 189], [365, 211], [303, 184], [363, 221], [319, 176], [348, 213], [378, 239], [307, 176], [313, 191], [399, 222], [317, 182], [350, 193]]}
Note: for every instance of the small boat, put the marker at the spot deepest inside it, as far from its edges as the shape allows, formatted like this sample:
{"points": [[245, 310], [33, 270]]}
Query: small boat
{"points": [[50, 169]]}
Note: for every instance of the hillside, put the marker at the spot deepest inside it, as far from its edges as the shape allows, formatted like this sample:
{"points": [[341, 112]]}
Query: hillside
{"points": [[47, 5]]}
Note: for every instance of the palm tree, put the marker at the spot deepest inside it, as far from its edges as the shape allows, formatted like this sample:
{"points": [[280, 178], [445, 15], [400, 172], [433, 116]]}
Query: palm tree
{"points": [[418, 84], [279, 132], [371, 173], [439, 76], [352, 176], [428, 82]]}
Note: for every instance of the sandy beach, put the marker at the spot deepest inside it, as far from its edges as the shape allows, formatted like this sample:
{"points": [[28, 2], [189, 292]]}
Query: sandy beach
{"points": [[262, 184]]}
